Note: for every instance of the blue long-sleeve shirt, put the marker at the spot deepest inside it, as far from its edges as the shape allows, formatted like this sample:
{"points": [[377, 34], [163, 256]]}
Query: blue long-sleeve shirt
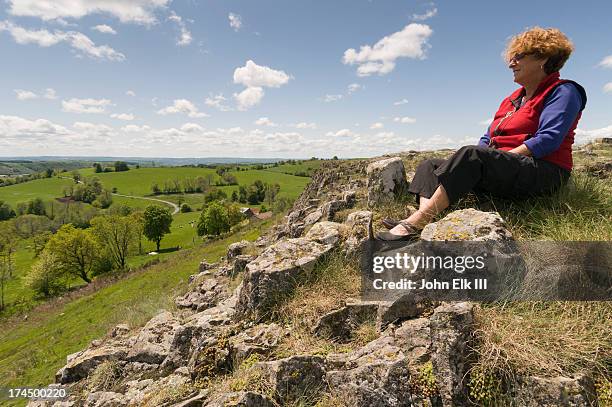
{"points": [[560, 110]]}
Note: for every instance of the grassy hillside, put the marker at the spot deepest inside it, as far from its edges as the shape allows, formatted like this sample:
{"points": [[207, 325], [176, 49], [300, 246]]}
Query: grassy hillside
{"points": [[46, 189], [32, 351]]}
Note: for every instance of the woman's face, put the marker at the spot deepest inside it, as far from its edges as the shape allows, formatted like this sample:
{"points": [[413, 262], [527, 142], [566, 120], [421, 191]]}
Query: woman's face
{"points": [[527, 68]]}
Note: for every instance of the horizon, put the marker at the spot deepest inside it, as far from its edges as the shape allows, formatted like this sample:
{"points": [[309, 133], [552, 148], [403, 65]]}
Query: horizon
{"points": [[259, 80]]}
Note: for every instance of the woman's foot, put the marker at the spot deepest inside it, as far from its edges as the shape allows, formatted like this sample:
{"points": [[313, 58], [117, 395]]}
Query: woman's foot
{"points": [[391, 223], [403, 231]]}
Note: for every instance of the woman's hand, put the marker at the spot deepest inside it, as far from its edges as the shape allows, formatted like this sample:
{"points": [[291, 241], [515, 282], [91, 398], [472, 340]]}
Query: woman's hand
{"points": [[521, 150]]}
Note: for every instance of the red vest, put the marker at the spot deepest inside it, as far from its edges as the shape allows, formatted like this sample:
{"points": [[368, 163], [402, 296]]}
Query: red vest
{"points": [[511, 127]]}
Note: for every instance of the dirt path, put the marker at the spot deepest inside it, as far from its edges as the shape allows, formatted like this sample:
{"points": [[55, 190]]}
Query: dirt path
{"points": [[172, 204]]}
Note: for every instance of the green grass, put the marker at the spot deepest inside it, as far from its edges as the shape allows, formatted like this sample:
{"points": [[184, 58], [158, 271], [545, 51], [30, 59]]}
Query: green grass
{"points": [[32, 351], [46, 189]]}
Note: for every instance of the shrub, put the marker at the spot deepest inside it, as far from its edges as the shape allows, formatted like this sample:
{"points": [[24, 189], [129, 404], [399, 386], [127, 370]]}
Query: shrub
{"points": [[185, 208], [47, 277]]}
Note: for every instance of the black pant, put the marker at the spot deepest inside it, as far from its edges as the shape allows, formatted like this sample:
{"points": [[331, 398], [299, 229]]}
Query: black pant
{"points": [[483, 169]]}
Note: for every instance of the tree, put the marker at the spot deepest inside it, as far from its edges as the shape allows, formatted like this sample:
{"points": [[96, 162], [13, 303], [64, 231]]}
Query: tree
{"points": [[27, 226], [213, 220], [121, 166], [76, 251], [6, 212], [46, 277], [8, 245], [36, 207], [117, 234], [234, 196], [234, 214], [138, 222], [157, 221], [104, 200], [242, 194], [97, 168]]}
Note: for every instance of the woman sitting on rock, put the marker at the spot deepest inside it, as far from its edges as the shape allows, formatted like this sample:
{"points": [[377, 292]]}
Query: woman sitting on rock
{"points": [[527, 150]]}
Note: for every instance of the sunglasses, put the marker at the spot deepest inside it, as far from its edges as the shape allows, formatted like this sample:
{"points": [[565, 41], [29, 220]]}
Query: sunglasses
{"points": [[518, 57]]}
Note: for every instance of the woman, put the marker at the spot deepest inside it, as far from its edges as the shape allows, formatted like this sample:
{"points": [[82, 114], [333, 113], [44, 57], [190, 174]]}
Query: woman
{"points": [[527, 149]]}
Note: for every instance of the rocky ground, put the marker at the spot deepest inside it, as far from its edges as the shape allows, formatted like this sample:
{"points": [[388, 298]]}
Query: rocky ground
{"points": [[221, 347]]}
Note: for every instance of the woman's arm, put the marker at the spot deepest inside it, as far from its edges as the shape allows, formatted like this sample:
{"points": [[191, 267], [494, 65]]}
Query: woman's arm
{"points": [[484, 140], [560, 111]]}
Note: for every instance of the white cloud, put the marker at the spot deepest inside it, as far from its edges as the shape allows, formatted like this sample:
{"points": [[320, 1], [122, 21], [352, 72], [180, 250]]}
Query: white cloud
{"points": [[404, 120], [305, 125], [133, 11], [606, 62], [583, 136], [25, 94], [185, 37], [235, 21], [410, 42], [340, 133], [85, 105], [425, 16], [18, 127], [400, 102], [191, 128], [217, 101], [332, 98], [264, 121], [132, 128], [78, 41], [485, 122], [21, 94], [608, 87], [249, 97], [255, 77], [50, 94], [353, 87], [123, 116], [377, 125], [104, 29], [182, 106], [130, 93]]}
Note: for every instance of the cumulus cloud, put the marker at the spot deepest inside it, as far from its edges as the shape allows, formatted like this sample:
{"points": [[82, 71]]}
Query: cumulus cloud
{"points": [[264, 121], [584, 136], [104, 29], [255, 78], [21, 94], [81, 43], [235, 21], [404, 120], [85, 105], [132, 11], [16, 127], [305, 125], [377, 125], [130, 93], [123, 116], [606, 62], [249, 97], [608, 87], [182, 106], [218, 102], [400, 102], [185, 37], [340, 133], [353, 87], [425, 16], [332, 98], [410, 42]]}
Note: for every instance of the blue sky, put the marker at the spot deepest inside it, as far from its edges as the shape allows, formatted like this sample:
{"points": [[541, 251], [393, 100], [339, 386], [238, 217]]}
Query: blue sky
{"points": [[173, 77]]}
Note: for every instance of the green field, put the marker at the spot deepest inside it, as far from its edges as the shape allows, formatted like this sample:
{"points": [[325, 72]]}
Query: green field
{"points": [[46, 189], [33, 350]]}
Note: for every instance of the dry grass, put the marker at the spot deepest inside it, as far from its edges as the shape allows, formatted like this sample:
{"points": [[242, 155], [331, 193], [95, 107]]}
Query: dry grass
{"points": [[333, 281], [549, 338]]}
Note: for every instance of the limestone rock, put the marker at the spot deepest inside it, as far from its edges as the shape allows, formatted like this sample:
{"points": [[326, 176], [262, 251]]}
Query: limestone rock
{"points": [[326, 232], [237, 248], [241, 399], [205, 295], [386, 180], [276, 272], [340, 324], [204, 265], [536, 391], [357, 223], [293, 377], [452, 328], [105, 399], [81, 363], [152, 344], [468, 224], [260, 339]]}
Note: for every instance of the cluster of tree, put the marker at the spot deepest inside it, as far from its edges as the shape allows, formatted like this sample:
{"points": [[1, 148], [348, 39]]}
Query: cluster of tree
{"points": [[118, 166], [6, 212], [105, 246], [217, 218], [256, 193], [6, 181], [90, 191], [187, 185]]}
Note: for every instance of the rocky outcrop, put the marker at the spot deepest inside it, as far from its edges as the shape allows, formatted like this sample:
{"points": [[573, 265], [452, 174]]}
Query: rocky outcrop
{"points": [[533, 391], [386, 180], [276, 272], [468, 224]]}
